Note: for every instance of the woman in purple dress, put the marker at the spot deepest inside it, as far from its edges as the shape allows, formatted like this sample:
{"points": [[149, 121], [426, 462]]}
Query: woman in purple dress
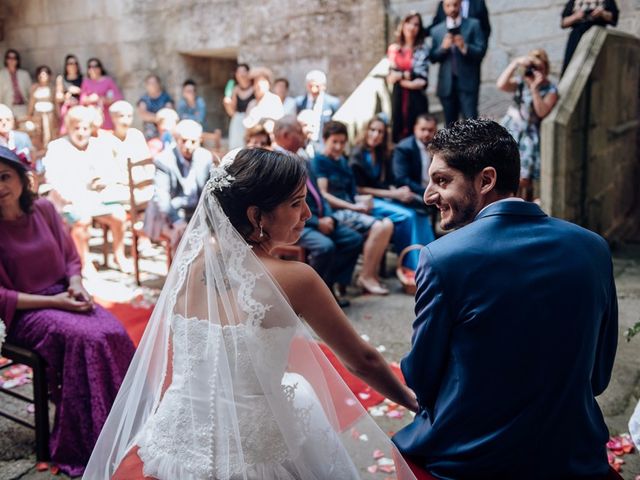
{"points": [[46, 309]]}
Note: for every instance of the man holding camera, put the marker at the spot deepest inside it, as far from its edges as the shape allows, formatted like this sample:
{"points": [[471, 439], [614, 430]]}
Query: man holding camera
{"points": [[458, 46]]}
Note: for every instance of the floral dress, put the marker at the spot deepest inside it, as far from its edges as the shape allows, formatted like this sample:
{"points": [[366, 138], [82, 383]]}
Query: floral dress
{"points": [[523, 123]]}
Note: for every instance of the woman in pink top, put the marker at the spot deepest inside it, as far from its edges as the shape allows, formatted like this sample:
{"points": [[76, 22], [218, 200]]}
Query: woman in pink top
{"points": [[47, 309], [99, 90]]}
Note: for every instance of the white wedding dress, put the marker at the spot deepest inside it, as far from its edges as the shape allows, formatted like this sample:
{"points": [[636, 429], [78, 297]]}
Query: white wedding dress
{"points": [[164, 441], [228, 383]]}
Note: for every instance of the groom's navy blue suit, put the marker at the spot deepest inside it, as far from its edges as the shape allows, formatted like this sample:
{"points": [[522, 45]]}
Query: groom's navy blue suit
{"points": [[516, 333]]}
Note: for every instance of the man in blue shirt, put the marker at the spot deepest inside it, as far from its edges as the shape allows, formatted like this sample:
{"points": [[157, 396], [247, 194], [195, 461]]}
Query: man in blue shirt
{"points": [[516, 325], [151, 102]]}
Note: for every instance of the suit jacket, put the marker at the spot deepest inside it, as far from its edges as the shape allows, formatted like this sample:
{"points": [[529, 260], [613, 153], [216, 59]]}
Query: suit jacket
{"points": [[477, 10], [170, 196], [407, 165], [515, 334], [468, 65]]}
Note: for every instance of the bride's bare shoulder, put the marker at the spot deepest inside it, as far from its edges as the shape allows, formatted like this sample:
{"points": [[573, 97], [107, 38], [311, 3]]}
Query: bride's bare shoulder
{"points": [[295, 278]]}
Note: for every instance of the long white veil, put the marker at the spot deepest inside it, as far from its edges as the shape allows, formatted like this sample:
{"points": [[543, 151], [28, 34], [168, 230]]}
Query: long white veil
{"points": [[228, 382]]}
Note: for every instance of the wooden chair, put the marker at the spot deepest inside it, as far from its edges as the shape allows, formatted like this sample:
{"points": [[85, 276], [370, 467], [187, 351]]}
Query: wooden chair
{"points": [[23, 356], [290, 252], [140, 192]]}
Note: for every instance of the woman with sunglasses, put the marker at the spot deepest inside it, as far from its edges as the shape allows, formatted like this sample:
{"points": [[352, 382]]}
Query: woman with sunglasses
{"points": [[68, 88], [15, 84], [99, 90]]}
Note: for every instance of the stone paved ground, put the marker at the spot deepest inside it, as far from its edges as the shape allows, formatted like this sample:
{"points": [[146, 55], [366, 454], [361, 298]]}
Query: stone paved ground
{"points": [[387, 322]]}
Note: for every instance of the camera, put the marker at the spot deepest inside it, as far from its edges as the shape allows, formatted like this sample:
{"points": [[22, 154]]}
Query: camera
{"points": [[454, 31], [588, 12], [529, 71]]}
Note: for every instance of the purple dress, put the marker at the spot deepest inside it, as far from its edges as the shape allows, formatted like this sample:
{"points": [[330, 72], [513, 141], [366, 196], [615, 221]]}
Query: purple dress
{"points": [[87, 354], [104, 87]]}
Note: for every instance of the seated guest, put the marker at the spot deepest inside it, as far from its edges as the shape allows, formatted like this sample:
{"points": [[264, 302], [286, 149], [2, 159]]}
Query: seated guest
{"points": [[337, 184], [319, 102], [42, 107], [306, 119], [123, 143], [68, 88], [99, 91], [166, 121], [266, 107], [371, 165], [258, 137], [332, 248], [191, 106], [281, 89], [411, 159], [151, 102], [181, 173], [15, 84], [72, 165], [86, 350], [14, 140]]}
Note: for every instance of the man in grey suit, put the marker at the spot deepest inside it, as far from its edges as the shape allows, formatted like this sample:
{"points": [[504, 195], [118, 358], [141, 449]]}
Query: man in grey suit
{"points": [[181, 174], [458, 46]]}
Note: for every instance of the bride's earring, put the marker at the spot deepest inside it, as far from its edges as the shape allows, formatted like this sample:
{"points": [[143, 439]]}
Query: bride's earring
{"points": [[261, 232]]}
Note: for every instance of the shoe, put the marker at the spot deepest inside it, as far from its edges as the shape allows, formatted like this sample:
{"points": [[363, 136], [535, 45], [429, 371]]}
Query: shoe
{"points": [[342, 302], [371, 288]]}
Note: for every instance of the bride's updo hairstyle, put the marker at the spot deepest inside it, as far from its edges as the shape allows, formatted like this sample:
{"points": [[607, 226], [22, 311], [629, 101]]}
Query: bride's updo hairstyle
{"points": [[261, 178]]}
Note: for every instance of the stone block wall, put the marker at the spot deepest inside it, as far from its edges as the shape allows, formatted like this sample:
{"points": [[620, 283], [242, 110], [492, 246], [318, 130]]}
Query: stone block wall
{"points": [[202, 39]]}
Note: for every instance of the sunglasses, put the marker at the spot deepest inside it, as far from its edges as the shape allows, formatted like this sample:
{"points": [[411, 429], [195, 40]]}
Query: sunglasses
{"points": [[11, 57], [93, 65], [72, 63]]}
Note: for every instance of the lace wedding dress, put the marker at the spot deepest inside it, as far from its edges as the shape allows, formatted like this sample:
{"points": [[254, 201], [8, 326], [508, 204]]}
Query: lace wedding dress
{"points": [[228, 383]]}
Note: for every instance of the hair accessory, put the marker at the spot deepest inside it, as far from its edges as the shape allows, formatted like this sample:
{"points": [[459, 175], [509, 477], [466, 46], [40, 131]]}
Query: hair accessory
{"points": [[219, 179], [23, 155]]}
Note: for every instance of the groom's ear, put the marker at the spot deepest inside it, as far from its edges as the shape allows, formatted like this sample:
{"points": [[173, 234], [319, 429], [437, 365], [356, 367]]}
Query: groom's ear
{"points": [[254, 215], [488, 177]]}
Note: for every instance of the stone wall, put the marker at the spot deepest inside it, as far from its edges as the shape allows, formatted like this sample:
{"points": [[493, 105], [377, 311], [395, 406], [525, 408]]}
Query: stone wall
{"points": [[591, 151], [203, 39]]}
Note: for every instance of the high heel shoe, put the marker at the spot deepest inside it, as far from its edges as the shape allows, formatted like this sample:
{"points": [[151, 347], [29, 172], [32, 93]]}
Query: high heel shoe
{"points": [[372, 289]]}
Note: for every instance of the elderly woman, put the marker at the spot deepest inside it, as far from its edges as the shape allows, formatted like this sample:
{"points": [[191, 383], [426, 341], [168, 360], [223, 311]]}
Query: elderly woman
{"points": [[84, 194], [534, 98], [99, 90], [408, 75], [12, 139], [266, 107], [48, 310]]}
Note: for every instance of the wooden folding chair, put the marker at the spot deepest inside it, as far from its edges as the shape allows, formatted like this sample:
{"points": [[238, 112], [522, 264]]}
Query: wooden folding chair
{"points": [[141, 181]]}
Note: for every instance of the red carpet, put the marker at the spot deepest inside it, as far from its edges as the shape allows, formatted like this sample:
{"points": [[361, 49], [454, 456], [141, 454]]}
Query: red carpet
{"points": [[134, 319]]}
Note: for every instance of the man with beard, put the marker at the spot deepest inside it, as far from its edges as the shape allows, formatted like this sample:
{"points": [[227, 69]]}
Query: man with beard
{"points": [[516, 326]]}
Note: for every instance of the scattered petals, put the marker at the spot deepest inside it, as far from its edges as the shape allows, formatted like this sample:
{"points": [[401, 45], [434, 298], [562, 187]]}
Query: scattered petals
{"points": [[42, 466], [377, 454], [372, 468], [364, 395], [365, 337], [381, 348], [363, 438]]}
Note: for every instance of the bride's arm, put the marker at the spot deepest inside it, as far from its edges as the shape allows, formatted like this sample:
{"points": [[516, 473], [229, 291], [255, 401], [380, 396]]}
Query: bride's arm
{"points": [[311, 298]]}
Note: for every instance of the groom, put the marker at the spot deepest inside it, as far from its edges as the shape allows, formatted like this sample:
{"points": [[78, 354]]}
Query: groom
{"points": [[516, 326]]}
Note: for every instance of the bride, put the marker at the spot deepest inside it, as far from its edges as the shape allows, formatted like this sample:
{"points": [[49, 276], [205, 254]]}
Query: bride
{"points": [[228, 382]]}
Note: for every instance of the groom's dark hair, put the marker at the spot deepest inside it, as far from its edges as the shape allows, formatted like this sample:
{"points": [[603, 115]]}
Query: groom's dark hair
{"points": [[261, 178], [471, 145]]}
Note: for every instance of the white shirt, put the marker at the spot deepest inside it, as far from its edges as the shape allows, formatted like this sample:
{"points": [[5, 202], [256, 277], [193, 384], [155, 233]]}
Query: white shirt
{"points": [[425, 158], [509, 199], [453, 22]]}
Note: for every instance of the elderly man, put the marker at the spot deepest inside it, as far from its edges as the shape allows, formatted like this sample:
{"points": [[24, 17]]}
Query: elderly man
{"points": [[181, 173], [17, 141], [332, 248], [73, 170], [319, 102]]}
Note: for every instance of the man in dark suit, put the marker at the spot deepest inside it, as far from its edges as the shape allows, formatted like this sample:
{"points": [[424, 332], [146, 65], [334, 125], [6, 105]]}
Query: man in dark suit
{"points": [[333, 249], [319, 102], [516, 325], [411, 159], [469, 9], [181, 174], [458, 45]]}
